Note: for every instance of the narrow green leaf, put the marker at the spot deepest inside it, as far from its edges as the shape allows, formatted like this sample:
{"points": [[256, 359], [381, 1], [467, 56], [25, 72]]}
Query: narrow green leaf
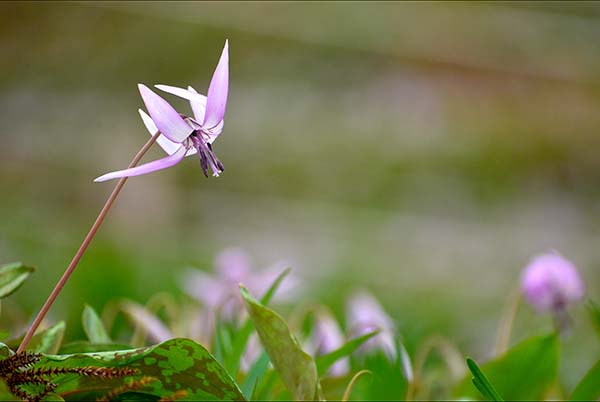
{"points": [[324, 362], [588, 388], [266, 299], [12, 277], [297, 369], [264, 389], [224, 339], [255, 374], [177, 364], [482, 383], [93, 327], [232, 360], [524, 372]]}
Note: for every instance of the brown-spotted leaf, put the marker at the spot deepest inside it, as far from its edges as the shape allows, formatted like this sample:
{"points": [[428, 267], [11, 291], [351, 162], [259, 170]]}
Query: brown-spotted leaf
{"points": [[297, 369], [176, 365]]}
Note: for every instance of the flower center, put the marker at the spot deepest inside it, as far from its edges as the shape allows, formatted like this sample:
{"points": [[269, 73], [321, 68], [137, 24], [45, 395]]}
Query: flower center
{"points": [[206, 154]]}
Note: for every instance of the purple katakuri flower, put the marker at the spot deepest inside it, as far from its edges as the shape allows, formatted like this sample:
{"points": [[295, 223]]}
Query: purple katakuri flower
{"points": [[219, 292], [326, 337], [550, 282], [182, 135], [365, 315]]}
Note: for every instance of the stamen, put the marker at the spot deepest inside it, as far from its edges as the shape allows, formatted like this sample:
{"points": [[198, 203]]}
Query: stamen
{"points": [[207, 155]]}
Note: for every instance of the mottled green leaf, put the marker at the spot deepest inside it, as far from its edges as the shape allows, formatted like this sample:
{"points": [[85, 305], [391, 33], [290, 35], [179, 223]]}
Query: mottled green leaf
{"points": [[177, 364], [12, 277], [296, 368], [93, 327], [481, 382], [325, 361], [524, 372], [588, 388], [88, 347]]}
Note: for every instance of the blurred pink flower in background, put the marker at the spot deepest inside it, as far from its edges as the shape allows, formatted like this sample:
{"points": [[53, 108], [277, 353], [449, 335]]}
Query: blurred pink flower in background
{"points": [[219, 292], [364, 315], [326, 337], [550, 282]]}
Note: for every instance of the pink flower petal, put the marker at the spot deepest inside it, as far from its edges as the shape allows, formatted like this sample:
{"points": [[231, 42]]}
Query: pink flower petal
{"points": [[198, 105], [188, 94], [166, 119], [198, 108], [217, 91], [166, 144], [149, 167]]}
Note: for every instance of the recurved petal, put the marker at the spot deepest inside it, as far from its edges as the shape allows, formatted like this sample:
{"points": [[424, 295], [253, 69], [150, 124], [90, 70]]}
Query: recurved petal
{"points": [[149, 167], [188, 94], [217, 91], [166, 144], [166, 119]]}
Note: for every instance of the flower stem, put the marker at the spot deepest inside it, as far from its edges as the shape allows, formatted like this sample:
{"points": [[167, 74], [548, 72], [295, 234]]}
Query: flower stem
{"points": [[84, 245], [507, 320]]}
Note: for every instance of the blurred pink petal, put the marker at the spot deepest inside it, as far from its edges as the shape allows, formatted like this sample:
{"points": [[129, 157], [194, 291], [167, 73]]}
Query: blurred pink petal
{"points": [[365, 315], [154, 328], [551, 282], [233, 265], [327, 336]]}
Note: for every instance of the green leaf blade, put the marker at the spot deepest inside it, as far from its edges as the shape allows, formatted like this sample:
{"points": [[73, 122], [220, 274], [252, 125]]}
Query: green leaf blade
{"points": [[482, 383], [588, 388], [12, 276], [524, 372], [324, 362], [232, 360], [93, 326], [296, 368]]}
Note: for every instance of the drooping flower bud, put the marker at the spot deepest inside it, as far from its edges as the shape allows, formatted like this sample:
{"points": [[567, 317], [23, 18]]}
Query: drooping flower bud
{"points": [[365, 315], [327, 336], [550, 282]]}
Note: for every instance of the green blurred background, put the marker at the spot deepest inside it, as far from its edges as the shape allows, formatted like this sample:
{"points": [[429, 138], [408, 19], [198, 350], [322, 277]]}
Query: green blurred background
{"points": [[424, 151]]}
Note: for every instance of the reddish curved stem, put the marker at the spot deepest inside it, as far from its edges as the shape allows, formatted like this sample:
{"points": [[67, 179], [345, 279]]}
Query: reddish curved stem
{"points": [[84, 245]]}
